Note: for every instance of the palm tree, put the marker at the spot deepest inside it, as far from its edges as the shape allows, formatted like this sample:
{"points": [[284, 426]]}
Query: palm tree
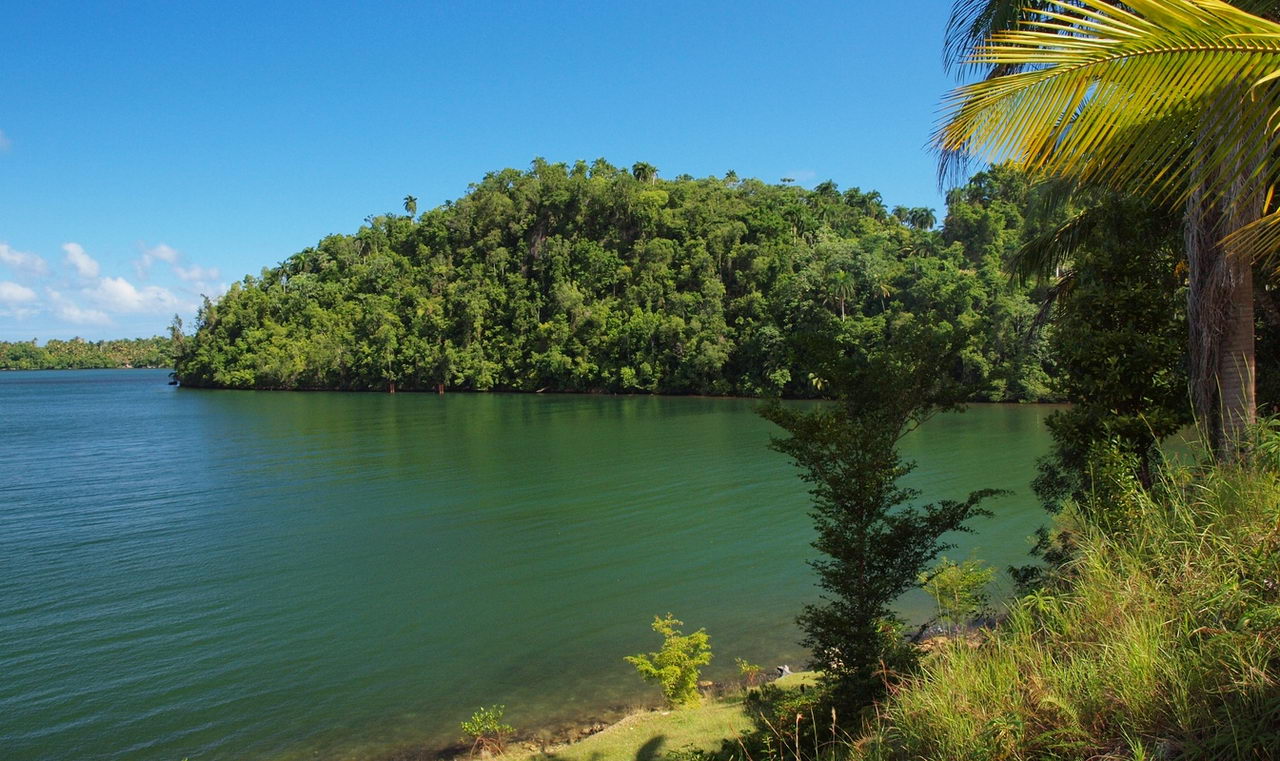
{"points": [[1169, 99], [411, 206], [644, 172], [922, 218], [841, 288]]}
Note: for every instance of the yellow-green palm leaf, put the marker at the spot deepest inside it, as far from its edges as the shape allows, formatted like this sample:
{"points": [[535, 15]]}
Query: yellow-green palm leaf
{"points": [[1161, 97]]}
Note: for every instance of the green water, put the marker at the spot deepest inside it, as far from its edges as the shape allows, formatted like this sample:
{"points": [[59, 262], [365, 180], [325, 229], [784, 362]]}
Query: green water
{"points": [[239, 575]]}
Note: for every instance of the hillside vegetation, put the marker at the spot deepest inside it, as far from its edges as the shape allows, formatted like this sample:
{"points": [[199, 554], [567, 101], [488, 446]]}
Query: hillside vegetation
{"points": [[595, 278], [1159, 639]]}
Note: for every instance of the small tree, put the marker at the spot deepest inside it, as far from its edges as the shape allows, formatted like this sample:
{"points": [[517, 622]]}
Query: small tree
{"points": [[958, 589], [676, 666], [874, 541], [750, 672], [486, 730]]}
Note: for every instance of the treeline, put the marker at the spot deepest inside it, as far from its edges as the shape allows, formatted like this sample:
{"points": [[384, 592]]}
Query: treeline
{"points": [[79, 354], [590, 277]]}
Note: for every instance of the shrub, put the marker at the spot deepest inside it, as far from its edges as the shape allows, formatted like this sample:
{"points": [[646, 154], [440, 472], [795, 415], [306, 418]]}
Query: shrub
{"points": [[797, 724], [486, 730], [750, 672], [676, 666], [958, 589]]}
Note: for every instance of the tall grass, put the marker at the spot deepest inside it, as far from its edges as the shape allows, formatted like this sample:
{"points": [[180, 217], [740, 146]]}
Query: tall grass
{"points": [[1161, 639]]}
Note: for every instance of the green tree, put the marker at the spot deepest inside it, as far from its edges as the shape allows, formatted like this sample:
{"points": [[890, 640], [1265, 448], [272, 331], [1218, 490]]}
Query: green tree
{"points": [[841, 288], [644, 172], [580, 278], [411, 206], [675, 668], [922, 218], [873, 541], [1170, 98]]}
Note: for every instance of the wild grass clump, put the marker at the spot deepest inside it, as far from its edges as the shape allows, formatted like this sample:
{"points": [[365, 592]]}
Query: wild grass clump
{"points": [[1160, 639]]}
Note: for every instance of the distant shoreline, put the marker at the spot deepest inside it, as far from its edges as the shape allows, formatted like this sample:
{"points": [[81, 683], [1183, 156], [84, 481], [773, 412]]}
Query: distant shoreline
{"points": [[58, 369], [545, 392]]}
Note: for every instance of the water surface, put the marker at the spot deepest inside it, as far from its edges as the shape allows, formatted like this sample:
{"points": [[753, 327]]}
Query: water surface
{"points": [[251, 575]]}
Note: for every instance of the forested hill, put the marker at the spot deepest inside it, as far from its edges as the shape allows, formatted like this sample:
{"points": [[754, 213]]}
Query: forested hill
{"points": [[590, 277]]}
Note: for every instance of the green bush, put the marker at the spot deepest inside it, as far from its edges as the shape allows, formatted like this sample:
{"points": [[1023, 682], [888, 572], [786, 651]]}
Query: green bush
{"points": [[486, 730], [676, 666], [750, 672], [958, 589], [796, 724]]}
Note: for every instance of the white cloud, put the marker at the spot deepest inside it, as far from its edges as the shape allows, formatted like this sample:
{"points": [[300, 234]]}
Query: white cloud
{"points": [[5, 142], [23, 262], [195, 273], [160, 252], [115, 294], [84, 264], [66, 310], [12, 294], [17, 300]]}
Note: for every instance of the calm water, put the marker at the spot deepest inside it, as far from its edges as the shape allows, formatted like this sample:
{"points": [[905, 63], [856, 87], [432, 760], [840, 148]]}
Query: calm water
{"points": [[238, 575]]}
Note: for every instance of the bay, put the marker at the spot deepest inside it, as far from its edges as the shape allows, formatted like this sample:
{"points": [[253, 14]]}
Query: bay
{"points": [[255, 575]]}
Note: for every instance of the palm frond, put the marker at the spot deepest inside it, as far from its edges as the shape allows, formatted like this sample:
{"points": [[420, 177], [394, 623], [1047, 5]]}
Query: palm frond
{"points": [[1157, 97], [1093, 218], [1041, 256], [973, 21]]}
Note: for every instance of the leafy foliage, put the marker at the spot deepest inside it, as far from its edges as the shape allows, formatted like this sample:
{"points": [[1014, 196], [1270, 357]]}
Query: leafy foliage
{"points": [[1119, 345], [675, 668], [789, 723], [1117, 94], [487, 731], [958, 589], [1120, 337], [587, 277], [1172, 100]]}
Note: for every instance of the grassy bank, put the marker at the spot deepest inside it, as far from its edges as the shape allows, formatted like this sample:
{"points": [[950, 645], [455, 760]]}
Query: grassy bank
{"points": [[653, 735], [1161, 641]]}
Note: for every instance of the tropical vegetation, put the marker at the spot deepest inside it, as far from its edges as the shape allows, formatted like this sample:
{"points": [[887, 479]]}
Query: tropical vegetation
{"points": [[79, 354], [1171, 100], [1160, 639], [587, 277]]}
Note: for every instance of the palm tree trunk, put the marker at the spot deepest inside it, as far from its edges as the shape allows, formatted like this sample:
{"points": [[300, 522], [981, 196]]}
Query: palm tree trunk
{"points": [[1220, 317], [1220, 301], [1237, 366]]}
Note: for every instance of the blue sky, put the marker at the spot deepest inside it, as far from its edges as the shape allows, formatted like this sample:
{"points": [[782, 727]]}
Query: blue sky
{"points": [[151, 152]]}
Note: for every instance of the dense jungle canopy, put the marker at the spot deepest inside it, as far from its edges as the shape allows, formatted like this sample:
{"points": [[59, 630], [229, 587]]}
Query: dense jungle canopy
{"points": [[590, 277]]}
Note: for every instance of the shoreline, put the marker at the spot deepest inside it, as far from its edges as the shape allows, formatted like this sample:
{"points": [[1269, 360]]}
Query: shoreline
{"points": [[549, 392], [555, 736]]}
